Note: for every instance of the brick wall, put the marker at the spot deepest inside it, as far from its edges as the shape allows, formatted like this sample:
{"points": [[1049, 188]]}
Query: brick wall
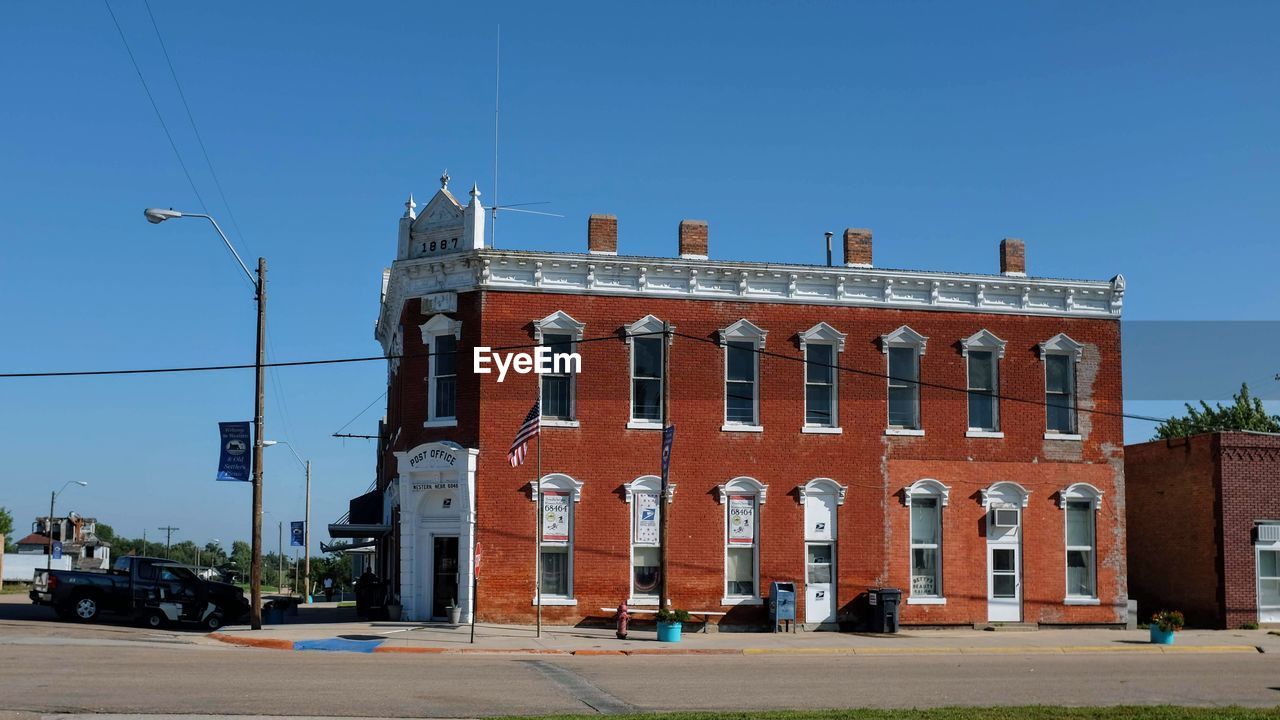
{"points": [[1173, 523], [872, 548], [1250, 468]]}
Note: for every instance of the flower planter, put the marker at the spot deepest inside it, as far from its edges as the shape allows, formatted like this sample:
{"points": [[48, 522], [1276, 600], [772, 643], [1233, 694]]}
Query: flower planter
{"points": [[455, 614], [1162, 637], [394, 611], [668, 631]]}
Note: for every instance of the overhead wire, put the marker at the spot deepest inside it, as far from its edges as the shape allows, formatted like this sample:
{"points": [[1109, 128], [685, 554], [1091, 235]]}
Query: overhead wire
{"points": [[527, 346]]}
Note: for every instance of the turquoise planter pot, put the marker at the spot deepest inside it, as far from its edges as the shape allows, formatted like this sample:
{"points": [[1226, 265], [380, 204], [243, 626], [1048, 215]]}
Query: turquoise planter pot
{"points": [[1161, 637], [668, 631]]}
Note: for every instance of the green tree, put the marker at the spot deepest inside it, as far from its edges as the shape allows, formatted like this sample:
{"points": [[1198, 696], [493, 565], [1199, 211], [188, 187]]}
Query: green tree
{"points": [[6, 528], [106, 533], [1245, 413]]}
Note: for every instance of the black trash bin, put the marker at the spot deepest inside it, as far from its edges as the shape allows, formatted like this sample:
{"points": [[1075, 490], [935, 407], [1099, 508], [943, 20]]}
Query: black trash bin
{"points": [[884, 609]]}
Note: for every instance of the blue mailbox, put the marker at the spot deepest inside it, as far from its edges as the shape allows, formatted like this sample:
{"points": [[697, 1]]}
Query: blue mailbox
{"points": [[782, 603]]}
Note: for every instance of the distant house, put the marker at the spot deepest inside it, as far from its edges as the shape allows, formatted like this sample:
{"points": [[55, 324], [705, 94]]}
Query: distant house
{"points": [[78, 536], [1204, 527]]}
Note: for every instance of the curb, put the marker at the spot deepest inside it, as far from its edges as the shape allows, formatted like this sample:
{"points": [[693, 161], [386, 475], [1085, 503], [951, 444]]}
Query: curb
{"points": [[278, 644]]}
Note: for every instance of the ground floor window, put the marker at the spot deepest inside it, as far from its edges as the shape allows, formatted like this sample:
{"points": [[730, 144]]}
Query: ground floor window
{"points": [[646, 571], [559, 494], [742, 540], [555, 571], [646, 551], [926, 548]]}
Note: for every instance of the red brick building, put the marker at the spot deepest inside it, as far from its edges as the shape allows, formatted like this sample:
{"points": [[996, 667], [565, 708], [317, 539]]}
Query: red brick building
{"points": [[953, 453], [1204, 527]]}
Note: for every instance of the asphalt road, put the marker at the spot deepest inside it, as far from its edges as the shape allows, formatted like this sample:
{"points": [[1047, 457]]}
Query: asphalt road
{"points": [[54, 667]]}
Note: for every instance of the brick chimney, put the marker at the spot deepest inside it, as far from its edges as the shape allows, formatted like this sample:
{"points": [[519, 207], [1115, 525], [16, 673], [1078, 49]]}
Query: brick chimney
{"points": [[857, 247], [693, 239], [602, 234], [1013, 257]]}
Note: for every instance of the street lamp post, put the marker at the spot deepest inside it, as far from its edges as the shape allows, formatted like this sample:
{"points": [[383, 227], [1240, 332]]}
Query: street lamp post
{"points": [[53, 496], [306, 520], [156, 216]]}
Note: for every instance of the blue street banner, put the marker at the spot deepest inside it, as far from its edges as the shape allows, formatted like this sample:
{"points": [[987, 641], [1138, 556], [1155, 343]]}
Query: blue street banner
{"points": [[57, 550], [668, 436], [296, 534], [233, 460]]}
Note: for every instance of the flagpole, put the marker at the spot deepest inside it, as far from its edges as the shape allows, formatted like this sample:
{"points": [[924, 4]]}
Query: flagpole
{"points": [[663, 598], [537, 554]]}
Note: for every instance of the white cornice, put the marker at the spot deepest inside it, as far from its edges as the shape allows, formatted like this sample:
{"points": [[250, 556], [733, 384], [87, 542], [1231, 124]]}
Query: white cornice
{"points": [[583, 274]]}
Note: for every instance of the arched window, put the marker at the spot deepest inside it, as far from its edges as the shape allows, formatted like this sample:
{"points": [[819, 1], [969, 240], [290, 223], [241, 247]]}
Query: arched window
{"points": [[1080, 503], [559, 494], [646, 548], [742, 498], [925, 499]]}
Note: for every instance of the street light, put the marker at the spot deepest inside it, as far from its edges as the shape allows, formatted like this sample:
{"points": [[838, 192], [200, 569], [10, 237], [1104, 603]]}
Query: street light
{"points": [[306, 522], [211, 542], [53, 496], [157, 216]]}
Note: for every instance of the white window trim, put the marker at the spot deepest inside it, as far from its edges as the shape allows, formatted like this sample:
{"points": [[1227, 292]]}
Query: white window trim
{"points": [[1062, 344], [1260, 546], [437, 325], [743, 331], [984, 434], [745, 486], [987, 341], [822, 334], [736, 427], [1005, 494], [645, 484], [1080, 492], [816, 430], [822, 485], [561, 323], [646, 325], [926, 488], [559, 482], [904, 337]]}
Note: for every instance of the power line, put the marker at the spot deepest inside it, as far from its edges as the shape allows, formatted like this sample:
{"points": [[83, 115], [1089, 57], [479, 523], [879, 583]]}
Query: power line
{"points": [[709, 341], [194, 129], [146, 88], [336, 433]]}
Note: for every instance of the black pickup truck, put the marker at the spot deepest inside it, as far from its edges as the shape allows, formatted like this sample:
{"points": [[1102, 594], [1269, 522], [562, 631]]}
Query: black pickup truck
{"points": [[152, 590]]}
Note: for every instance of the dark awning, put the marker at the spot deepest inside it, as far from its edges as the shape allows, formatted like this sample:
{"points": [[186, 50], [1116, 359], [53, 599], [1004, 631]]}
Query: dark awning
{"points": [[358, 530]]}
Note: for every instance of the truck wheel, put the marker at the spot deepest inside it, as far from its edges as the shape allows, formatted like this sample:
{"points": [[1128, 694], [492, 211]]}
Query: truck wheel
{"points": [[213, 622], [154, 619], [85, 608]]}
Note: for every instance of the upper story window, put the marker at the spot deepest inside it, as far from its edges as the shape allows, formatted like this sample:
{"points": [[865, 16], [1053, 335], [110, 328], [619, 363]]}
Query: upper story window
{"points": [[741, 342], [742, 498], [440, 334], [983, 352], [645, 338], [1061, 355], [560, 333], [903, 349], [821, 345], [1080, 504], [925, 500]]}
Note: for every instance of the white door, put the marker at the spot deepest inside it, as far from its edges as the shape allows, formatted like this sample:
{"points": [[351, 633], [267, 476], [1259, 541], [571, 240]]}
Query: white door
{"points": [[820, 583], [1004, 583], [1268, 584]]}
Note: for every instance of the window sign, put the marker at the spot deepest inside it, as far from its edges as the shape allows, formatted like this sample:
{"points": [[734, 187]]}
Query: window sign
{"points": [[646, 522], [742, 520], [923, 586], [555, 516]]}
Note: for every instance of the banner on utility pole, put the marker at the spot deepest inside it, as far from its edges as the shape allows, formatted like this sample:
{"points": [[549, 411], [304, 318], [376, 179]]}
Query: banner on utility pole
{"points": [[296, 534], [233, 460]]}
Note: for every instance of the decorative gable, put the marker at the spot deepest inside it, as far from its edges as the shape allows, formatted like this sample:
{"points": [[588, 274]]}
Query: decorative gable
{"points": [[1061, 344], [903, 337], [983, 340], [744, 329], [824, 334]]}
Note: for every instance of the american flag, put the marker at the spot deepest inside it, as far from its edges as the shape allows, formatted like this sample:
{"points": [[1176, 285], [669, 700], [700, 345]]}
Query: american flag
{"points": [[529, 428]]}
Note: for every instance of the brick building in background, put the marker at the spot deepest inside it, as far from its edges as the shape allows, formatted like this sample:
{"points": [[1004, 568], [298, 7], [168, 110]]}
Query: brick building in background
{"points": [[1204, 527], [987, 490]]}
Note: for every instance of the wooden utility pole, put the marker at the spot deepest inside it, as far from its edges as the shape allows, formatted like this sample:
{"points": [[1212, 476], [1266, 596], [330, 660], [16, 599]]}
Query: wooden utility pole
{"points": [[306, 541], [168, 538], [663, 599], [255, 565]]}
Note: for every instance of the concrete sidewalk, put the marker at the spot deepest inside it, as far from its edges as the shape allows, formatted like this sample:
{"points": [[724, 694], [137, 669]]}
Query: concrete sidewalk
{"points": [[317, 628]]}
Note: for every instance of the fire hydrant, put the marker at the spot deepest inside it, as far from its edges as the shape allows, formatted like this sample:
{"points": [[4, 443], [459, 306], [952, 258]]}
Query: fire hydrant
{"points": [[623, 616]]}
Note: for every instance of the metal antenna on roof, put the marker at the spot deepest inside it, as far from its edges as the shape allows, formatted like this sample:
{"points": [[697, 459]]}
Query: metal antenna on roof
{"points": [[497, 94]]}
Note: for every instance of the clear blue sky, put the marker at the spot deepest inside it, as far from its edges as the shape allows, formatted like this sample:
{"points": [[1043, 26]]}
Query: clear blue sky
{"points": [[1137, 138]]}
